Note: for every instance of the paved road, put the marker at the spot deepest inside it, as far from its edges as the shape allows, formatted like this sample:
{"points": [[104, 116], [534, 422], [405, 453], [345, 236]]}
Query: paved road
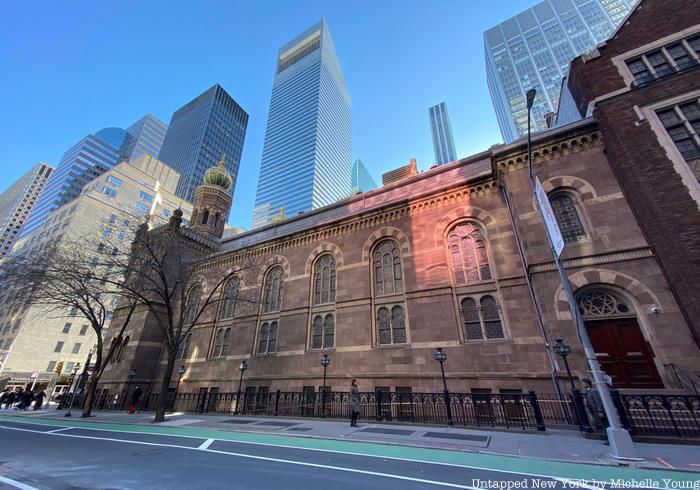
{"points": [[74, 455]]}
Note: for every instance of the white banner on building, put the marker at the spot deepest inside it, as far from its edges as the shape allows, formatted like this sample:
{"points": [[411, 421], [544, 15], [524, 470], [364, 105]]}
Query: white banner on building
{"points": [[550, 221]]}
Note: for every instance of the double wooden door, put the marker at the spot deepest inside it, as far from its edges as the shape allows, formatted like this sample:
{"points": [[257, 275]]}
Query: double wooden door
{"points": [[623, 353]]}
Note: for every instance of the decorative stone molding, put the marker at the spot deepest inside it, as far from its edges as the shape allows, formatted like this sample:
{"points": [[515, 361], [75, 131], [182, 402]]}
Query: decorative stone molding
{"points": [[386, 232], [642, 295], [269, 263], [584, 188], [638, 253], [463, 213], [334, 249]]}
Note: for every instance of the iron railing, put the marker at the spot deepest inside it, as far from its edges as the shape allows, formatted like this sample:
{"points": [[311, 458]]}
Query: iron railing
{"points": [[660, 415]]}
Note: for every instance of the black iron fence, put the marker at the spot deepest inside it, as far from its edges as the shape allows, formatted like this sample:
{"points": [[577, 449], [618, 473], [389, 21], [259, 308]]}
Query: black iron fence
{"points": [[660, 415]]}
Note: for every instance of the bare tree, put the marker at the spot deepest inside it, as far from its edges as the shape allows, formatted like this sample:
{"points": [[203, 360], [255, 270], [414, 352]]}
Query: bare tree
{"points": [[70, 277], [164, 271]]}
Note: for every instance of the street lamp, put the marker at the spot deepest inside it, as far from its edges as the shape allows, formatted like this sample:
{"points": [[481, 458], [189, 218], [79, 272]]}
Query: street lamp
{"points": [[563, 350], [180, 372], [71, 390], [441, 357], [132, 373], [325, 361], [242, 367]]}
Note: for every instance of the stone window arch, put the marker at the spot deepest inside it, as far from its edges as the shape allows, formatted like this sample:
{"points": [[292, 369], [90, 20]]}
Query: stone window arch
{"points": [[183, 348], [603, 303], [323, 334], [567, 211], [324, 280], [230, 299], [391, 325], [205, 217], [272, 293], [466, 246], [388, 275], [481, 318], [192, 304], [221, 342], [267, 341]]}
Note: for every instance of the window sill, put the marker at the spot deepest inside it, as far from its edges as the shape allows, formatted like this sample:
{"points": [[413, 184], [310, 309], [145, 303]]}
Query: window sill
{"points": [[489, 341], [393, 346]]}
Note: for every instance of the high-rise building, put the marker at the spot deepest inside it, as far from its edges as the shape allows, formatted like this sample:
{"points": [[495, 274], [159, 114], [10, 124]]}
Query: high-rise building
{"points": [[144, 136], [533, 50], [443, 142], [361, 180], [88, 158], [307, 155], [17, 201], [200, 132]]}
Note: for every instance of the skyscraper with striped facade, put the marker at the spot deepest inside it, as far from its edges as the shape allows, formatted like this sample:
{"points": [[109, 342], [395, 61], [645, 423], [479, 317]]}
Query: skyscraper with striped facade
{"points": [[443, 142], [307, 152]]}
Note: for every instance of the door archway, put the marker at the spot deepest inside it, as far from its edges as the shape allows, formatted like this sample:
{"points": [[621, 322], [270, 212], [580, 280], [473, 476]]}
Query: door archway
{"points": [[621, 349]]}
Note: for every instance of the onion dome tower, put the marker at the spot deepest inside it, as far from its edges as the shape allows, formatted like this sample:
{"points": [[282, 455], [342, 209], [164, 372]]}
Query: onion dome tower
{"points": [[212, 202]]}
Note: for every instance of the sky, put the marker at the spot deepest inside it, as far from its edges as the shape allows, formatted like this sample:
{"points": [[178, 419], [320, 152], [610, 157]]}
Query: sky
{"points": [[73, 68]]}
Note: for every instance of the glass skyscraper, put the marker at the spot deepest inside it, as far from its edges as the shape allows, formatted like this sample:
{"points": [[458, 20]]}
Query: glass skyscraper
{"points": [[144, 136], [443, 143], [533, 50], [361, 180], [88, 158], [17, 201], [200, 132], [306, 156]]}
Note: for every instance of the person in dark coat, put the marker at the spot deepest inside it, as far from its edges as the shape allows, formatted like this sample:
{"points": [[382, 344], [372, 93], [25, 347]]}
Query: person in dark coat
{"points": [[595, 405], [354, 403], [39, 400], [9, 399], [135, 397]]}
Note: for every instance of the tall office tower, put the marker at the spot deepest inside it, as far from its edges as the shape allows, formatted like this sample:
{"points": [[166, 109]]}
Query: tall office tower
{"points": [[200, 132], [17, 201], [533, 50], [144, 136], [88, 158], [361, 180], [443, 143], [306, 157]]}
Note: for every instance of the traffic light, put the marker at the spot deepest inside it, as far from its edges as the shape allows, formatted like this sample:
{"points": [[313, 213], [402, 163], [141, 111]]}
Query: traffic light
{"points": [[58, 368]]}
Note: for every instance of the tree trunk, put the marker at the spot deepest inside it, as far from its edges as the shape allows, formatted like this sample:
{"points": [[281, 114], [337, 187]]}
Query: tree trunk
{"points": [[167, 376], [92, 383]]}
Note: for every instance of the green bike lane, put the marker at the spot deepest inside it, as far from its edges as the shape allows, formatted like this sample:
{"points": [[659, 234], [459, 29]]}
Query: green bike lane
{"points": [[512, 467]]}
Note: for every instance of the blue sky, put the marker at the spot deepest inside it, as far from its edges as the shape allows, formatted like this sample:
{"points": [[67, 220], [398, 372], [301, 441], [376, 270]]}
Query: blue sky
{"points": [[72, 68]]}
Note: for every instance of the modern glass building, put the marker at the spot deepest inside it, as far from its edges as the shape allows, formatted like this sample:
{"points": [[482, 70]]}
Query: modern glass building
{"points": [[17, 201], [144, 136], [88, 158], [200, 132], [533, 50], [307, 152], [361, 180], [443, 142]]}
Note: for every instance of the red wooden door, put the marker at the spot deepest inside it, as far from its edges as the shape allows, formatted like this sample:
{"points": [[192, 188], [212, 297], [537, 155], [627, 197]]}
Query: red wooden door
{"points": [[623, 353]]}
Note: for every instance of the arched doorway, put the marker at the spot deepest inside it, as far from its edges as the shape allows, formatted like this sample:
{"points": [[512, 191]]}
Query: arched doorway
{"points": [[621, 349]]}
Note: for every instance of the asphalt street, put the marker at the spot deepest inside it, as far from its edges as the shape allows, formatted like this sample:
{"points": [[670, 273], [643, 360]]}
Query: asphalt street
{"points": [[72, 455]]}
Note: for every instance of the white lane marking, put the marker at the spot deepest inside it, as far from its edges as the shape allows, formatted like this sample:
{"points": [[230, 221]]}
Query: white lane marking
{"points": [[16, 484], [58, 430], [206, 444], [259, 458], [332, 451]]}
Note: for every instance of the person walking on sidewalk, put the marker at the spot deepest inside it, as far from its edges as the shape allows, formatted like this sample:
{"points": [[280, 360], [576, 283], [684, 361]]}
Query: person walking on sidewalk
{"points": [[135, 397], [354, 403]]}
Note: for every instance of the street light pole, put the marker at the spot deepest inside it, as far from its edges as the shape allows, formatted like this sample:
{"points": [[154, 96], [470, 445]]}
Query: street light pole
{"points": [[242, 367], [564, 350], [180, 372], [441, 357], [325, 361], [71, 390], [621, 445], [132, 373]]}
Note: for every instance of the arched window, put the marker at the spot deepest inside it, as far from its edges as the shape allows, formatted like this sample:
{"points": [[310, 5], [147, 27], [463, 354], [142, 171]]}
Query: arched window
{"points": [[120, 349], [388, 278], [228, 309], [192, 304], [391, 325], [482, 321], [183, 348], [568, 218], [324, 280], [602, 303], [267, 343], [214, 221], [467, 248], [221, 342], [272, 299], [323, 332], [205, 217]]}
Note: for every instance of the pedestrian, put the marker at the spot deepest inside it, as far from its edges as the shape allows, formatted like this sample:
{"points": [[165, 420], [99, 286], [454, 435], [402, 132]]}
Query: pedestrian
{"points": [[595, 405], [9, 399], [20, 398], [39, 400], [3, 396], [354, 403], [135, 397]]}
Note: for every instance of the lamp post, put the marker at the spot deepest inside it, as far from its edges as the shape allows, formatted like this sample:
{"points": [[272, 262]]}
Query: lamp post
{"points": [[325, 361], [242, 367], [132, 373], [71, 390], [563, 350], [441, 357], [180, 372]]}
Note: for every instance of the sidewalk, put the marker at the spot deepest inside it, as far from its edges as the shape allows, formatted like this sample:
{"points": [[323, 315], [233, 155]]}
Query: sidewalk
{"points": [[552, 445]]}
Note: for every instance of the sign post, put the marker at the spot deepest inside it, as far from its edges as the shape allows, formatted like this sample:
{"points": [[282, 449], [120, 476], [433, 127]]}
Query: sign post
{"points": [[34, 376], [550, 221]]}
